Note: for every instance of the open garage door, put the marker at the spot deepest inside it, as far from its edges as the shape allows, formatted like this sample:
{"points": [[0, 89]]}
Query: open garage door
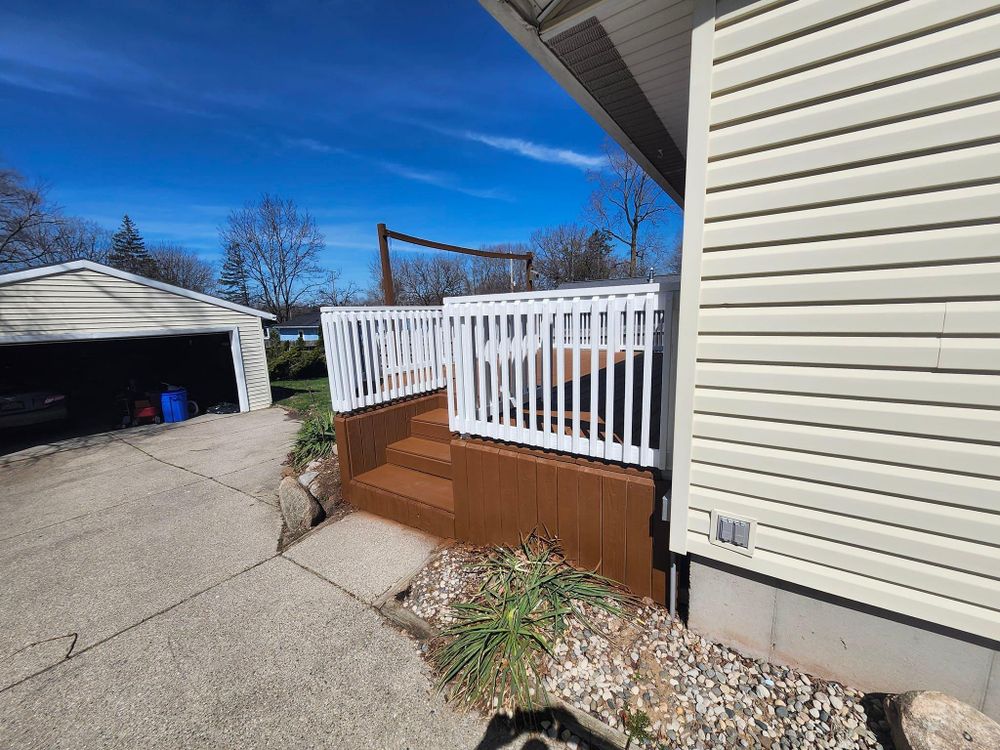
{"points": [[60, 389]]}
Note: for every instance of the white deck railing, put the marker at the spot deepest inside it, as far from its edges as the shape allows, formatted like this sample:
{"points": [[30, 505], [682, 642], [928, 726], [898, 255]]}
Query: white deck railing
{"points": [[377, 354], [586, 371]]}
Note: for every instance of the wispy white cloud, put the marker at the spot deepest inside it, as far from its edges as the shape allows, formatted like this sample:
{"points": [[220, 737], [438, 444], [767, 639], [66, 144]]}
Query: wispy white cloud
{"points": [[311, 144], [442, 180], [537, 151], [29, 80]]}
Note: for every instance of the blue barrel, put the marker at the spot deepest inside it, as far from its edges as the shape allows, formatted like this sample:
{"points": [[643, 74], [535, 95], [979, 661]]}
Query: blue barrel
{"points": [[174, 405]]}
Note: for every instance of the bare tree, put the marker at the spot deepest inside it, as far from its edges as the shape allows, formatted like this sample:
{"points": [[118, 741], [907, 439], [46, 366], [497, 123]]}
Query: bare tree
{"points": [[421, 278], [628, 205], [180, 267], [427, 279], [280, 247], [25, 221], [64, 239], [497, 275], [573, 253], [333, 293]]}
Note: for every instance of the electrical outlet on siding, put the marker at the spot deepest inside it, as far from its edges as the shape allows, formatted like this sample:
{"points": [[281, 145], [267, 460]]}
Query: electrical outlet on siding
{"points": [[735, 533]]}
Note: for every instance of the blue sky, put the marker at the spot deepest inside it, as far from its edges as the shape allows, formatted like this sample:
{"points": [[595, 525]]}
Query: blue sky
{"points": [[430, 119]]}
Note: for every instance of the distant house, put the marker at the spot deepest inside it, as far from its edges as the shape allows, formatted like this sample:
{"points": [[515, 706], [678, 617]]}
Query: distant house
{"points": [[305, 326]]}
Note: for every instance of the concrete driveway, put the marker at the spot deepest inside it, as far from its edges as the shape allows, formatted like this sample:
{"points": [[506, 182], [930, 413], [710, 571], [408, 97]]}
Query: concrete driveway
{"points": [[145, 605]]}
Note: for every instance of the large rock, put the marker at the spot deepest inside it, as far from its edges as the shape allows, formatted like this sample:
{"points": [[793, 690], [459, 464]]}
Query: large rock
{"points": [[926, 720], [299, 508]]}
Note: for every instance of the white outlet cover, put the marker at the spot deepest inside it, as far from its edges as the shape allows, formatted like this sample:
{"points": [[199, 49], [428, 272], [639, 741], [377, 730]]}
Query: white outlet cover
{"points": [[714, 531]]}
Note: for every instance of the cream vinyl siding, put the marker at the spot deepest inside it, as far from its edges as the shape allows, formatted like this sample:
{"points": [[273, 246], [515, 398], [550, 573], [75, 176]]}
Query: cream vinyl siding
{"points": [[86, 302], [844, 336]]}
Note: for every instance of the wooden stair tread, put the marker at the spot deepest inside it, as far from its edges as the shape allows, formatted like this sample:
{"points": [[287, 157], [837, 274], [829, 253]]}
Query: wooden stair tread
{"points": [[434, 416], [419, 446], [414, 485]]}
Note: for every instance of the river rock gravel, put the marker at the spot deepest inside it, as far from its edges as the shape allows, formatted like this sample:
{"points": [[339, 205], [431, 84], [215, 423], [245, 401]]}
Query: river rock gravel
{"points": [[698, 694]]}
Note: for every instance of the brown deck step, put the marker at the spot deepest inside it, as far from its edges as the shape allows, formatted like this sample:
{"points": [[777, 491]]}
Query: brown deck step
{"points": [[421, 454], [432, 425], [412, 485]]}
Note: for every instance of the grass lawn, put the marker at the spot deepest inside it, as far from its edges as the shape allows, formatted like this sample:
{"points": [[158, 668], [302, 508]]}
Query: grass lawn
{"points": [[301, 395]]}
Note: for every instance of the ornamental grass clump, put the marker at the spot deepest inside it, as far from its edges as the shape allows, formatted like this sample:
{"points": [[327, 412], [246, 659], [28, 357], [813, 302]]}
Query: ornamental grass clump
{"points": [[490, 656], [315, 438]]}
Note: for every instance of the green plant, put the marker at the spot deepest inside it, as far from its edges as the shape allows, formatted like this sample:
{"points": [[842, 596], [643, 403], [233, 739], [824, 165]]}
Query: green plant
{"points": [[315, 438], [490, 654], [637, 726], [295, 362]]}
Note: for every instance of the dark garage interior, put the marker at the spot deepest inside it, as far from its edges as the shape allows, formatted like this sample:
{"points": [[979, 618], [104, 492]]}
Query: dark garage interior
{"points": [[97, 377]]}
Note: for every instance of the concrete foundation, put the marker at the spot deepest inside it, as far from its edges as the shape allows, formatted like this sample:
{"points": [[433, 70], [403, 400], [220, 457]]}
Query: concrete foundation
{"points": [[872, 649]]}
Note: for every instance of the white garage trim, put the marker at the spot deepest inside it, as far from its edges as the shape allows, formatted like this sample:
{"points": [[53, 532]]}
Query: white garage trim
{"points": [[234, 345], [87, 265]]}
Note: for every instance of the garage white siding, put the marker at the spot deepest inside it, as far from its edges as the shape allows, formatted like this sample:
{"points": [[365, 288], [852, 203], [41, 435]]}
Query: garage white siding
{"points": [[844, 334], [89, 302]]}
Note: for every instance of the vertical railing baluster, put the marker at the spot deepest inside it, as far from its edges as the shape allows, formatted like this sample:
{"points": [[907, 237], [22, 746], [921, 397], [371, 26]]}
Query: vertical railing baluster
{"points": [[628, 454], [518, 371], [665, 402], [595, 372], [560, 333], [645, 448], [611, 353], [532, 377], [545, 342], [575, 443]]}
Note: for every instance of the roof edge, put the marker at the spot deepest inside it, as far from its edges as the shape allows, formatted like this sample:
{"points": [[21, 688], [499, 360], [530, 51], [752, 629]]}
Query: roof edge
{"points": [[528, 37], [89, 265]]}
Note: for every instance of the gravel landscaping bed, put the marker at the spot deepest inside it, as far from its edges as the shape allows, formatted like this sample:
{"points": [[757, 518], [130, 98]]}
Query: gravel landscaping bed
{"points": [[698, 694]]}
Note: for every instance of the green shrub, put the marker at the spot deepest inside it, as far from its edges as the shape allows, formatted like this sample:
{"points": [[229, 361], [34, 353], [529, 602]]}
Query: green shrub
{"points": [[315, 438], [490, 654], [296, 362]]}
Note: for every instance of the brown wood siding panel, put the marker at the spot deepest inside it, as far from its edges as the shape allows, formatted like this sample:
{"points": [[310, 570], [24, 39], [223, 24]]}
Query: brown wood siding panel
{"points": [[460, 486], [527, 509], [568, 503], [355, 453], [381, 424], [508, 498], [613, 500], [491, 496], [638, 538], [604, 519], [548, 500], [360, 495], [589, 508], [343, 452], [477, 511]]}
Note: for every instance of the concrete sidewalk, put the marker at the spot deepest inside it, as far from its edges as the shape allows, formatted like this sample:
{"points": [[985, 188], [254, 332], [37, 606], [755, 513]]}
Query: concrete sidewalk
{"points": [[150, 558]]}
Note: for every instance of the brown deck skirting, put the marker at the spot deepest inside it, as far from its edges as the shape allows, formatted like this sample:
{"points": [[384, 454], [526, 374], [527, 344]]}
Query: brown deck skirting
{"points": [[399, 461], [607, 516]]}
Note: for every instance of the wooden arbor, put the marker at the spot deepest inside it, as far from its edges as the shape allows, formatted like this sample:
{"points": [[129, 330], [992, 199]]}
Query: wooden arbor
{"points": [[384, 235]]}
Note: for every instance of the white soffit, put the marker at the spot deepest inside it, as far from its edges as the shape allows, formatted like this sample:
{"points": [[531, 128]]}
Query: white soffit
{"points": [[633, 58], [653, 38]]}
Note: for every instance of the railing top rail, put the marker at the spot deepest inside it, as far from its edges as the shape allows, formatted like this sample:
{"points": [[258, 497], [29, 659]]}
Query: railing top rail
{"points": [[376, 308], [585, 292]]}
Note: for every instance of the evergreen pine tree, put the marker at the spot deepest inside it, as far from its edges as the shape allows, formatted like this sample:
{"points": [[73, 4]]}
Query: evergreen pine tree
{"points": [[233, 277], [128, 250]]}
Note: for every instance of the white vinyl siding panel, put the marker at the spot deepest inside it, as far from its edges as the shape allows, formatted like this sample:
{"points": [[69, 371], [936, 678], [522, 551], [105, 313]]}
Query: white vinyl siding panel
{"points": [[846, 382], [85, 302]]}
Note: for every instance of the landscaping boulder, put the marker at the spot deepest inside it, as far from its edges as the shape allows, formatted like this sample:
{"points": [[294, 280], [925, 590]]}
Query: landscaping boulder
{"points": [[315, 490], [299, 508], [927, 720], [307, 478]]}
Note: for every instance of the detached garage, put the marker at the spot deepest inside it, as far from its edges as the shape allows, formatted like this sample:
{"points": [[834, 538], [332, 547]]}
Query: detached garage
{"points": [[92, 333]]}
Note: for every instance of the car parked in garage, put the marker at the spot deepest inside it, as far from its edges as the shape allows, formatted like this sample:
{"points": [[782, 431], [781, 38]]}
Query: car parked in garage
{"points": [[21, 405]]}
